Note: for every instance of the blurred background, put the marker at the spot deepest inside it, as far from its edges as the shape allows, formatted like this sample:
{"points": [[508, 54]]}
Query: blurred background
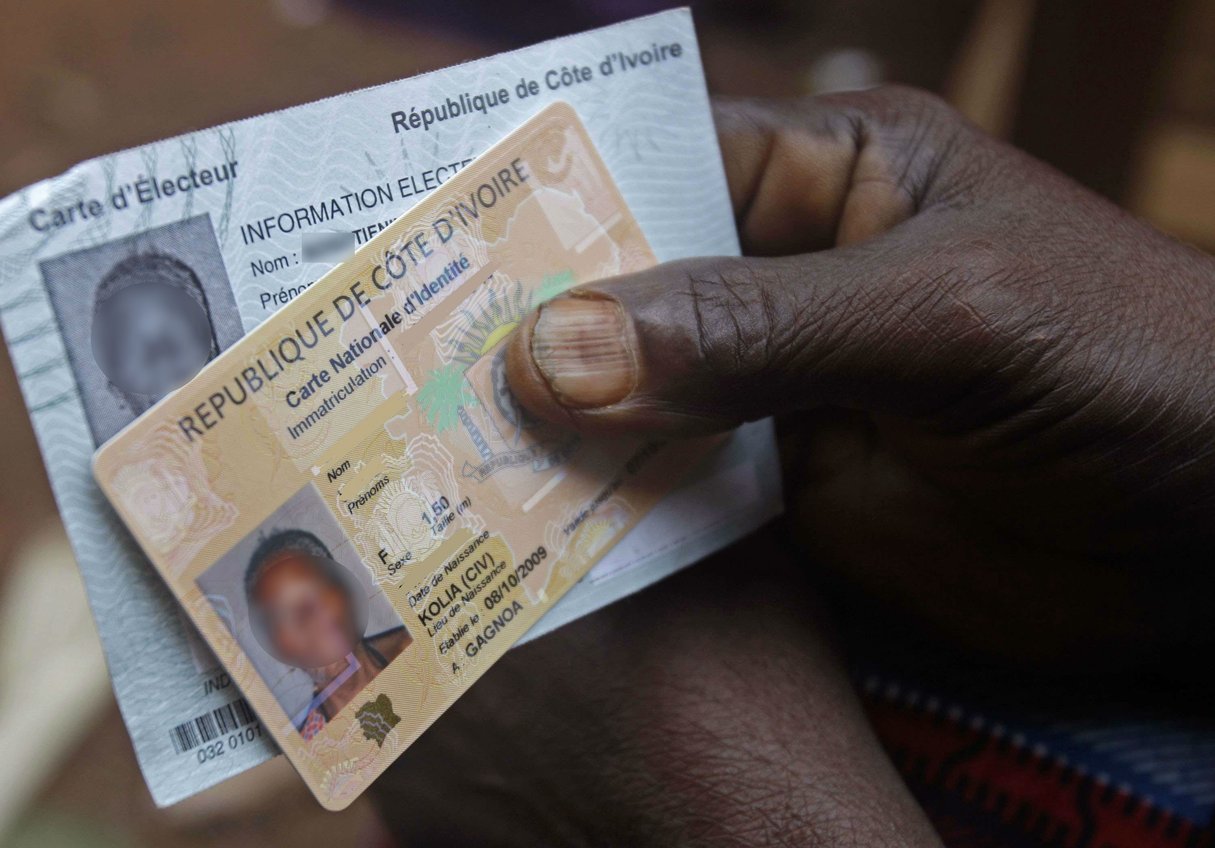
{"points": [[1120, 94]]}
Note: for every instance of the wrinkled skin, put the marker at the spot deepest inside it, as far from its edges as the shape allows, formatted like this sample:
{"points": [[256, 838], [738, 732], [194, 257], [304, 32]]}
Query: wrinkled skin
{"points": [[708, 710], [1005, 384], [999, 390]]}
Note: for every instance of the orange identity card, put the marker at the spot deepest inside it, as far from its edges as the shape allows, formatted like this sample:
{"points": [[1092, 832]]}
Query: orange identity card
{"points": [[350, 504]]}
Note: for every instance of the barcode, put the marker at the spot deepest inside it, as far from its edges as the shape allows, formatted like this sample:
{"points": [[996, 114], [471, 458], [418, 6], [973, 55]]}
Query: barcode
{"points": [[197, 731]]}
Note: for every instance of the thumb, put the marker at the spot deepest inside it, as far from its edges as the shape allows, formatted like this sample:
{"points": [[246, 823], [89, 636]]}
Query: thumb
{"points": [[702, 345]]}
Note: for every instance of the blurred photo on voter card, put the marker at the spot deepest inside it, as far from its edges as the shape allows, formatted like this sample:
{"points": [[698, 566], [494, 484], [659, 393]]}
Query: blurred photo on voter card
{"points": [[140, 316], [306, 611]]}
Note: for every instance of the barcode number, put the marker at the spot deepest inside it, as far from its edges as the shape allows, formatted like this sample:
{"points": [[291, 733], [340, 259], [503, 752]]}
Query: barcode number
{"points": [[211, 726]]}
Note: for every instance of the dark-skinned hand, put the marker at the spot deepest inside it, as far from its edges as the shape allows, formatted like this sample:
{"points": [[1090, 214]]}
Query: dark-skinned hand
{"points": [[1002, 386], [999, 388]]}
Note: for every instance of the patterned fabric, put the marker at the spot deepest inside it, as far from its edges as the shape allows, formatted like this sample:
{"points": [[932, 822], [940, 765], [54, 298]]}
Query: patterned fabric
{"points": [[1032, 780]]}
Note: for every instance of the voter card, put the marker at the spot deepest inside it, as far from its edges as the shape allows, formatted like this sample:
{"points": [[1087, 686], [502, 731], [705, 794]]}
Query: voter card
{"points": [[350, 504]]}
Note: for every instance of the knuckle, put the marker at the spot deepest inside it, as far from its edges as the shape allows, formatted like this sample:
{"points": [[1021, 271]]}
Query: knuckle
{"points": [[740, 318], [716, 293], [910, 140], [922, 144], [890, 107], [909, 98]]}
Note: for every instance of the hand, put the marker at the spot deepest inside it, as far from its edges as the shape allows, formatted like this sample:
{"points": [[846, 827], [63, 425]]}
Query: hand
{"points": [[1005, 384], [707, 710]]}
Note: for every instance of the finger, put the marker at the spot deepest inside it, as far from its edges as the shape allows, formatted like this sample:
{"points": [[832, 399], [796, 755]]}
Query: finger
{"points": [[829, 170], [895, 319], [891, 326]]}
